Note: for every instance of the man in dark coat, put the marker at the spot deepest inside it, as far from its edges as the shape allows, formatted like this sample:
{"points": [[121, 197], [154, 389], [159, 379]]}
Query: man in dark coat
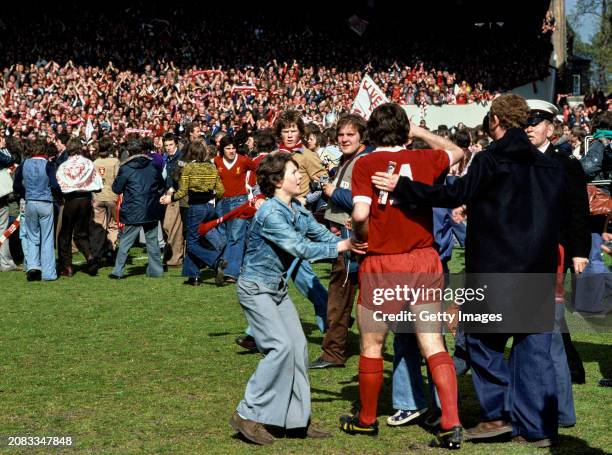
{"points": [[141, 184], [574, 249], [515, 198]]}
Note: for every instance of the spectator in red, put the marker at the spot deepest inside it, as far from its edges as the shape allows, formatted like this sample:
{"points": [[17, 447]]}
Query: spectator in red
{"points": [[233, 169]]}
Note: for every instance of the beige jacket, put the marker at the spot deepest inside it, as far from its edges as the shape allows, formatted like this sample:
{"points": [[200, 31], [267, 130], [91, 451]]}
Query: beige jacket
{"points": [[108, 169]]}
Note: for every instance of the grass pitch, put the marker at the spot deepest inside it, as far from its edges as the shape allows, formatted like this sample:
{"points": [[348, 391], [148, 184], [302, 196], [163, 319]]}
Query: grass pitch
{"points": [[150, 366]]}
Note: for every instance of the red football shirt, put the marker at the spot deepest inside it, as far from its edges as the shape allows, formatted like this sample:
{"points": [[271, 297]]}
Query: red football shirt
{"points": [[234, 177], [395, 230], [253, 174]]}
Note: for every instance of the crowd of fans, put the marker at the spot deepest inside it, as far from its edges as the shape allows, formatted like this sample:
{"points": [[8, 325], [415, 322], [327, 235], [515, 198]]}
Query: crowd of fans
{"points": [[135, 71]]}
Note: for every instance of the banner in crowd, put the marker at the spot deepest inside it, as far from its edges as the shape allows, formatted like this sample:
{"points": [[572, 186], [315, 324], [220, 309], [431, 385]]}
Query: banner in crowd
{"points": [[244, 88], [11, 229], [369, 97]]}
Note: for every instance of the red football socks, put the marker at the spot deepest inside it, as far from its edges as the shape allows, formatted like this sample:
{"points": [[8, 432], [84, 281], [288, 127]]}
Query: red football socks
{"points": [[370, 382], [443, 373]]}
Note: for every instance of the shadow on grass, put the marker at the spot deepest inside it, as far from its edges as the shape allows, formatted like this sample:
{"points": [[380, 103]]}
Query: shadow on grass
{"points": [[600, 353], [571, 444], [136, 270], [313, 335]]}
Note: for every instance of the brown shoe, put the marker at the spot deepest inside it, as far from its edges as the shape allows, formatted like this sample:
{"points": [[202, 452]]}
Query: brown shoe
{"points": [[486, 430], [316, 432], [67, 271], [253, 431], [247, 342], [539, 443]]}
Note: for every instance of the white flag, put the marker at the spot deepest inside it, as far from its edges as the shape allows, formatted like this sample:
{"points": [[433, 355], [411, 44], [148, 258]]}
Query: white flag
{"points": [[89, 129], [369, 97]]}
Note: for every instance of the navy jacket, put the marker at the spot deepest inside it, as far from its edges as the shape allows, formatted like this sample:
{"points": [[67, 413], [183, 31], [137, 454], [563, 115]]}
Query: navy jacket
{"points": [[6, 159], [142, 185], [575, 234]]}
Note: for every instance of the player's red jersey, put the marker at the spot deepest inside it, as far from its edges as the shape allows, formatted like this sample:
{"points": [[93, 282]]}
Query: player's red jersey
{"points": [[394, 230], [253, 174], [234, 178]]}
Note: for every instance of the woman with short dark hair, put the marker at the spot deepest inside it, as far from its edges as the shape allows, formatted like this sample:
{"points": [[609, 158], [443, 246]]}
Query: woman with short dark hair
{"points": [[278, 393]]}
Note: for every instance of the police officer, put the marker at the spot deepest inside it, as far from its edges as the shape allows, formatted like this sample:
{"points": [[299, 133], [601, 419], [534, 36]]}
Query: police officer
{"points": [[575, 242]]}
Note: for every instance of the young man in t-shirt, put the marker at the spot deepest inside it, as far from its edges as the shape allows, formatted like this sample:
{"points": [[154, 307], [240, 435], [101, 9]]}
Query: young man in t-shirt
{"points": [[400, 253], [233, 170]]}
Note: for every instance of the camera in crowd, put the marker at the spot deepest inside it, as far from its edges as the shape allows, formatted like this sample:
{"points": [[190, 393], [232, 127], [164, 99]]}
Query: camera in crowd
{"points": [[316, 185]]}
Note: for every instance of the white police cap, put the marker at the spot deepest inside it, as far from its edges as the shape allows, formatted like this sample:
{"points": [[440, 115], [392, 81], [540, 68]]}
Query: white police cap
{"points": [[541, 110]]}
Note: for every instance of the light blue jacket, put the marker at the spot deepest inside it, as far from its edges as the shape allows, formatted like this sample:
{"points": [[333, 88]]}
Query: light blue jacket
{"points": [[35, 180], [278, 235]]}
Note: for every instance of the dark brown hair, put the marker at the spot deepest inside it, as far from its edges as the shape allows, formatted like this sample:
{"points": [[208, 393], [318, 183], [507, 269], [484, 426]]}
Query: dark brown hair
{"points": [[388, 125], [74, 146], [197, 151], [288, 118], [271, 171], [356, 121]]}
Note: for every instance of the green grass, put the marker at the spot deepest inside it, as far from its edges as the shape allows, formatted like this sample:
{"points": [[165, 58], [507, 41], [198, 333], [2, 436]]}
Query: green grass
{"points": [[149, 366]]}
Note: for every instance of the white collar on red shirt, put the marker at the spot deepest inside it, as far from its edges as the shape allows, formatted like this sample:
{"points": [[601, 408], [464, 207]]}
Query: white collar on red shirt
{"points": [[384, 148], [229, 165], [400, 148]]}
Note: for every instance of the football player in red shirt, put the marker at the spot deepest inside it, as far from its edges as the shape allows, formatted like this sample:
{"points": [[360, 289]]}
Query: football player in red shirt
{"points": [[401, 254]]}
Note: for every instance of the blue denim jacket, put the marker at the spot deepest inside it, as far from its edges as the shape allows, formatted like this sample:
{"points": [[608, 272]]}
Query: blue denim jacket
{"points": [[278, 235]]}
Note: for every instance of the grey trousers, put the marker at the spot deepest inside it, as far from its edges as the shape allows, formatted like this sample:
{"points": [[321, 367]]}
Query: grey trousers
{"points": [[278, 393], [126, 240], [6, 261]]}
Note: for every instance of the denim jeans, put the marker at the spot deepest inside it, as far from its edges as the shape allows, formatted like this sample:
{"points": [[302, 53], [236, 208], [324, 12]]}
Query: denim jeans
{"points": [[127, 238], [197, 255], [522, 389], [594, 284], [460, 356], [565, 397], [407, 393], [235, 232], [39, 232], [307, 282]]}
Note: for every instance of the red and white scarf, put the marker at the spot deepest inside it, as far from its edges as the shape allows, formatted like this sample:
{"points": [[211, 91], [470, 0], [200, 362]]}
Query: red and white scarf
{"points": [[297, 147]]}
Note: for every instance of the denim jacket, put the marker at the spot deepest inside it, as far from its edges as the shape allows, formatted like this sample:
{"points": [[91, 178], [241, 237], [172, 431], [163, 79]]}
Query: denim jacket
{"points": [[278, 235]]}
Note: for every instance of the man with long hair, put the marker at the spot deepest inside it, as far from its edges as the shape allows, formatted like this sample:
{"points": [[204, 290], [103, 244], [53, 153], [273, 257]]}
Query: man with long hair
{"points": [[400, 250]]}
